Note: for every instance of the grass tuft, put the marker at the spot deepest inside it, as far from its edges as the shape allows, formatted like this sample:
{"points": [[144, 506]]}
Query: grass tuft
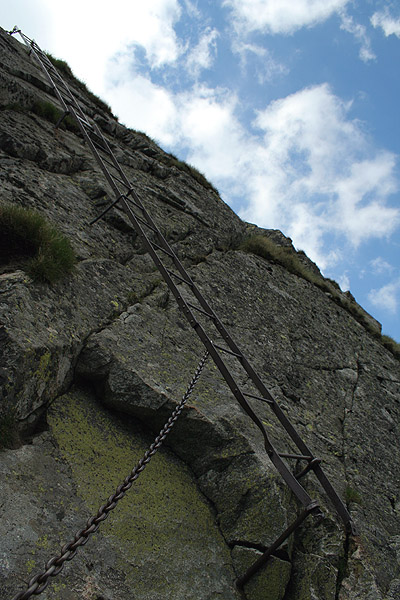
{"points": [[391, 345], [283, 255], [26, 237], [352, 496], [45, 110], [51, 113]]}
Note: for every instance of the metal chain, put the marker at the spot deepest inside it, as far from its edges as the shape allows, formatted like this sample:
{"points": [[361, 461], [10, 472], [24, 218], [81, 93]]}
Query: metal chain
{"points": [[39, 582]]}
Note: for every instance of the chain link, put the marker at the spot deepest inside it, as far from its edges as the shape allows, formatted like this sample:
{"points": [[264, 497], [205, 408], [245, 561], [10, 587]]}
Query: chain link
{"points": [[54, 566]]}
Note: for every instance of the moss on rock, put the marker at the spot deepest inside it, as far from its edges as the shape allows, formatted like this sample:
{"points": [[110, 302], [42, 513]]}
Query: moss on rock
{"points": [[164, 526]]}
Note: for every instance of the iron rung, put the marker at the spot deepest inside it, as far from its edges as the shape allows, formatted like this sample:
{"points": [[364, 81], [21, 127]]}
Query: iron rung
{"points": [[312, 508], [101, 147], [161, 249], [143, 222], [200, 310], [294, 456], [267, 400], [228, 351], [105, 211], [121, 181], [128, 199], [111, 164], [311, 464], [84, 122], [189, 283]]}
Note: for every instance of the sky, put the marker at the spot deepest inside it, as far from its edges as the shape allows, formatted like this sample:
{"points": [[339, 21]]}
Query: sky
{"points": [[289, 107]]}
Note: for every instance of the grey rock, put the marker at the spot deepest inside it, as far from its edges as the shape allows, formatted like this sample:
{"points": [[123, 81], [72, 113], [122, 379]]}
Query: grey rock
{"points": [[270, 581]]}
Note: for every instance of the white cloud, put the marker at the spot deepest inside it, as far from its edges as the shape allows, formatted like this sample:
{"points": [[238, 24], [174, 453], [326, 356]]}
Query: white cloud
{"points": [[281, 16], [387, 297], [141, 104], [360, 34], [88, 33], [317, 174], [192, 9], [150, 25], [211, 132], [344, 282], [361, 210], [390, 25], [306, 168], [202, 55], [265, 65], [380, 265]]}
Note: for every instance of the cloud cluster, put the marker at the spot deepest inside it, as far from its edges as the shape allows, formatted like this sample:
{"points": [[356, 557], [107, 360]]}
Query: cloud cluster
{"points": [[389, 24], [387, 297], [281, 16], [148, 25], [360, 33], [304, 167], [320, 173], [202, 55], [380, 265], [266, 67]]}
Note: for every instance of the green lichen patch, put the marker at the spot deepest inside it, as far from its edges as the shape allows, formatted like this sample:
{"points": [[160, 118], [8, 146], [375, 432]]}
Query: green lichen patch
{"points": [[163, 524]]}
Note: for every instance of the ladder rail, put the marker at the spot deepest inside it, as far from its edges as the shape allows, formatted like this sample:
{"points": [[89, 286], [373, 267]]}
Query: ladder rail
{"points": [[72, 107]]}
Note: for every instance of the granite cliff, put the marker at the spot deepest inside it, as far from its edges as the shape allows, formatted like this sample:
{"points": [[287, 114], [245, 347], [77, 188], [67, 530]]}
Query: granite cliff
{"points": [[92, 365]]}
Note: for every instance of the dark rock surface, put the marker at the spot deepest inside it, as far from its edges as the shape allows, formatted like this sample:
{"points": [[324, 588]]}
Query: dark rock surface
{"points": [[92, 366]]}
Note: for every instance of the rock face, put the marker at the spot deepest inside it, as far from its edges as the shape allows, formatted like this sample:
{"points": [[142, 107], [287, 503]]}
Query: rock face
{"points": [[92, 366]]}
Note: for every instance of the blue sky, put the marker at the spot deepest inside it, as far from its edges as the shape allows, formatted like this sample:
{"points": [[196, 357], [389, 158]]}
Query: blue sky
{"points": [[289, 107]]}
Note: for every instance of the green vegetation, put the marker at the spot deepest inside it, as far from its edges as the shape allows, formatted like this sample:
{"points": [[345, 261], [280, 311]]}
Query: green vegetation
{"points": [[15, 106], [45, 110], [283, 255], [26, 237], [66, 70], [61, 65], [288, 258], [391, 345], [352, 496], [51, 113]]}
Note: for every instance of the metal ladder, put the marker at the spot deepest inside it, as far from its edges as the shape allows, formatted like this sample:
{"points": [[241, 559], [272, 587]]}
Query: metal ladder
{"points": [[198, 312]]}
